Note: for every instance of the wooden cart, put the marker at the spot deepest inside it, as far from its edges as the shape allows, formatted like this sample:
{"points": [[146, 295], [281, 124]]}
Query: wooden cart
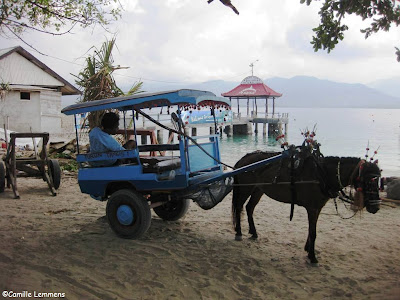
{"points": [[39, 166]]}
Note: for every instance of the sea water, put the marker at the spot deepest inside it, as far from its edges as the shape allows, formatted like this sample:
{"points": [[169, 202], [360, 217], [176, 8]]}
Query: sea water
{"points": [[340, 131]]}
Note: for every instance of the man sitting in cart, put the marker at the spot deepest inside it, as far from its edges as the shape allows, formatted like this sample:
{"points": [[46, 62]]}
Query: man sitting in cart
{"points": [[101, 140]]}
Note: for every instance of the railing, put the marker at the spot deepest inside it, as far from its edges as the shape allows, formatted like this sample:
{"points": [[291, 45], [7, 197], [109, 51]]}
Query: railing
{"points": [[279, 116]]}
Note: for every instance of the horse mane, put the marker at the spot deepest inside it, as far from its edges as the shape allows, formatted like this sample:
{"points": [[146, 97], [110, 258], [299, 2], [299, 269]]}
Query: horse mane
{"points": [[264, 154], [348, 160], [254, 153]]}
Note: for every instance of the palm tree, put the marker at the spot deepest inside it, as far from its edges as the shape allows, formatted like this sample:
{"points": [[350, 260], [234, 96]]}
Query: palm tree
{"points": [[97, 81]]}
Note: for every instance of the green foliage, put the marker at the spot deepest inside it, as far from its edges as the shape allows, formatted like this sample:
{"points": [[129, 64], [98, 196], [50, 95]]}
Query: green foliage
{"points": [[382, 14], [47, 15], [70, 165], [96, 79], [4, 89], [61, 155]]}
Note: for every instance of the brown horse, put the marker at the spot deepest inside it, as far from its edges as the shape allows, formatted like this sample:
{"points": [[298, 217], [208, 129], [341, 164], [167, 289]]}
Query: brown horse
{"points": [[311, 182]]}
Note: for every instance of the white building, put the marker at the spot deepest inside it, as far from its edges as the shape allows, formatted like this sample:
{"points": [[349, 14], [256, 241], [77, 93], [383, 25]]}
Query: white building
{"points": [[30, 93]]}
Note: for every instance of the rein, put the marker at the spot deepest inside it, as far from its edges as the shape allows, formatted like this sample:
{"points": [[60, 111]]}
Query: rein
{"points": [[343, 196]]}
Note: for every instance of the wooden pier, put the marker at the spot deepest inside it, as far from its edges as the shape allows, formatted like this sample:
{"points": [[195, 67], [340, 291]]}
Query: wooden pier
{"points": [[272, 124]]}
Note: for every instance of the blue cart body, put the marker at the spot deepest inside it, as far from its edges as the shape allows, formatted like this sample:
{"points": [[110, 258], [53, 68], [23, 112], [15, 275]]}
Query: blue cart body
{"points": [[190, 166]]}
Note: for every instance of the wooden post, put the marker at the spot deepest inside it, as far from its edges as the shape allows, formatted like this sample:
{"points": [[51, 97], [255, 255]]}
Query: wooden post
{"points": [[5, 135], [228, 130], [34, 145], [247, 106], [143, 139], [273, 106]]}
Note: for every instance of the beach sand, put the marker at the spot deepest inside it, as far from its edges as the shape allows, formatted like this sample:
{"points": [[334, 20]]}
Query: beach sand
{"points": [[63, 244]]}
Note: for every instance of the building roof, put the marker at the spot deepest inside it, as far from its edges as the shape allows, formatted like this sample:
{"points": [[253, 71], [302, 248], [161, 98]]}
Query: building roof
{"points": [[252, 86], [66, 89]]}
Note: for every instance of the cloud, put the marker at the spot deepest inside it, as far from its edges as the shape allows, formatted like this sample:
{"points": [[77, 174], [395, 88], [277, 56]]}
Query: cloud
{"points": [[191, 40]]}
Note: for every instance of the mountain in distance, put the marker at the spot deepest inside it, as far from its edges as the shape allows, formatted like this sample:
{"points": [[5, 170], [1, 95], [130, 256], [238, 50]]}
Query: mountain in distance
{"points": [[389, 86], [305, 91], [216, 86]]}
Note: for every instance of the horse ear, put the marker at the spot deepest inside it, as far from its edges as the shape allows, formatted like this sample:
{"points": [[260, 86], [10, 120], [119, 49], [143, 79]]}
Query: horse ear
{"points": [[376, 161]]}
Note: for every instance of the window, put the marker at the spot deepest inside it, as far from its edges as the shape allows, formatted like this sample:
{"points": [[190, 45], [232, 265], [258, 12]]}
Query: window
{"points": [[25, 96]]}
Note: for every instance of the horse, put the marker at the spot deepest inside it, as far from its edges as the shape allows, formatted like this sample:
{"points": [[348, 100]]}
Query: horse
{"points": [[309, 182]]}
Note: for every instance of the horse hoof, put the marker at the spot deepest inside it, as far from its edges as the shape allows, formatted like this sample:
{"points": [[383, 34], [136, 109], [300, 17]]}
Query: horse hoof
{"points": [[253, 237], [313, 264], [313, 261], [238, 237]]}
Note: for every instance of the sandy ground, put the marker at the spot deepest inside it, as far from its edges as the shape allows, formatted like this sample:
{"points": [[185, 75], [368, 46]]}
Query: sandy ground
{"points": [[64, 244]]}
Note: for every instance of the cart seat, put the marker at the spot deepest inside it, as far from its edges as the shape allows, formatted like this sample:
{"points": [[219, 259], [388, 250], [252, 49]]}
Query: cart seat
{"points": [[160, 164]]}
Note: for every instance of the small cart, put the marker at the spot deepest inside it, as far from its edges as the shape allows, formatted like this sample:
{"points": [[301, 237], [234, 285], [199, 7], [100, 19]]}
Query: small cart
{"points": [[39, 166], [191, 170]]}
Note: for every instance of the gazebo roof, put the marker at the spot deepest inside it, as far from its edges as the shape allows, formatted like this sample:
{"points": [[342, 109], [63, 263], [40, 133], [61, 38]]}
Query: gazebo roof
{"points": [[252, 86]]}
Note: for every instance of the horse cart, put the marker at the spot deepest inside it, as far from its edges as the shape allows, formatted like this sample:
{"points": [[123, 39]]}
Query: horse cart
{"points": [[187, 170], [38, 166]]}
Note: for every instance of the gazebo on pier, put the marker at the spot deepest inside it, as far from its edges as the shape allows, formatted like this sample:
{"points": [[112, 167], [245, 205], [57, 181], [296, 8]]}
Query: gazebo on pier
{"points": [[253, 88]]}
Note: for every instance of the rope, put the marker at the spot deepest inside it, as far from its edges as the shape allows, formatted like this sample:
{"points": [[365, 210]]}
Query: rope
{"points": [[344, 218], [185, 135]]}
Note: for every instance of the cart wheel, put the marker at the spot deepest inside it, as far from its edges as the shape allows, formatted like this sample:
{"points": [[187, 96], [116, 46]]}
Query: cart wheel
{"points": [[128, 214], [2, 177], [55, 172], [173, 210]]}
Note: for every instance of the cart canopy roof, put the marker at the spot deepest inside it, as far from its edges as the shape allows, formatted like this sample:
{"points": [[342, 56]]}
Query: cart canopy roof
{"points": [[182, 97]]}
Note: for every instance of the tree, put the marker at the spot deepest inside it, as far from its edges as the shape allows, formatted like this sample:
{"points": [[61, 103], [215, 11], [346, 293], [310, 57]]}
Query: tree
{"points": [[382, 13], [97, 82], [55, 17]]}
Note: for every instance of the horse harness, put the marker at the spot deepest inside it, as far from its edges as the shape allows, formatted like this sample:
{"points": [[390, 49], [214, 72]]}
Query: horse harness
{"points": [[297, 163], [297, 159]]}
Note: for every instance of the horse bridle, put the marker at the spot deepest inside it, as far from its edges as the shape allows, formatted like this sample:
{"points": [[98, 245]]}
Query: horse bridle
{"points": [[342, 195], [349, 198]]}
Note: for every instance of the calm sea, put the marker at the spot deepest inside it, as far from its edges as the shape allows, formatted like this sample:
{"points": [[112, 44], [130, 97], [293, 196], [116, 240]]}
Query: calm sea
{"points": [[340, 131]]}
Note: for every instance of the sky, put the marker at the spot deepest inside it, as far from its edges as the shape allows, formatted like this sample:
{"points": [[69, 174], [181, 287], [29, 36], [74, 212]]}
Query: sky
{"points": [[184, 41]]}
